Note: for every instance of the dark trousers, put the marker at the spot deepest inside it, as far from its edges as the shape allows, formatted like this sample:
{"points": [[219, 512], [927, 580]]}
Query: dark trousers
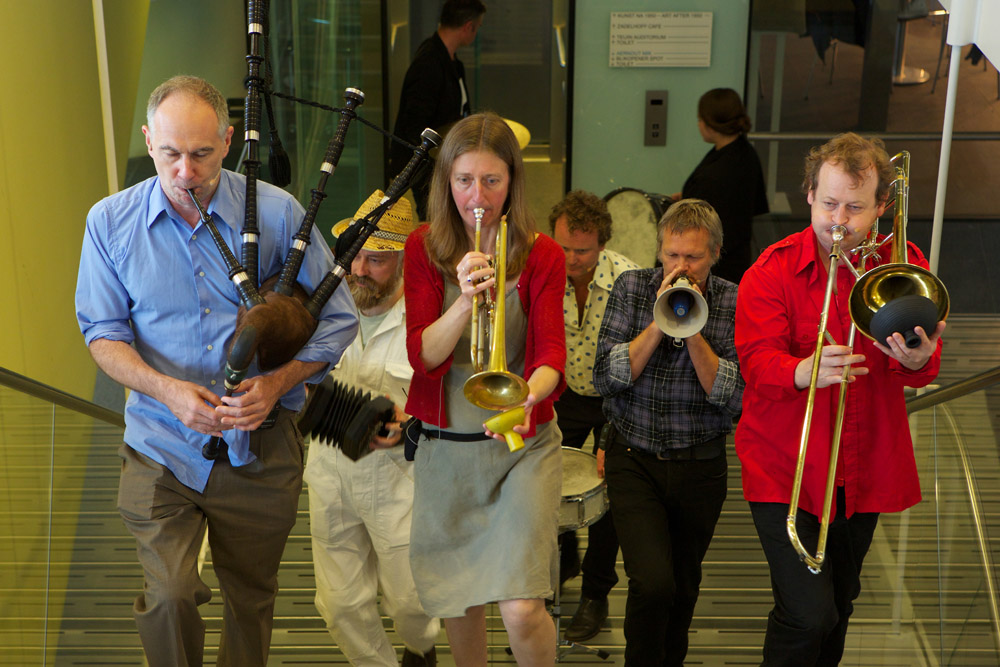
{"points": [[808, 623], [249, 512], [665, 513], [578, 416]]}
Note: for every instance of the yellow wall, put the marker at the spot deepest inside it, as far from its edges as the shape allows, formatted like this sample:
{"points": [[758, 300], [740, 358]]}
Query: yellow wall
{"points": [[125, 29], [214, 48], [52, 169]]}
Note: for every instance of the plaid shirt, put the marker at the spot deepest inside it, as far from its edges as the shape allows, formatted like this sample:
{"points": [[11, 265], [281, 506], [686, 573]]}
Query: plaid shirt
{"points": [[666, 407]]}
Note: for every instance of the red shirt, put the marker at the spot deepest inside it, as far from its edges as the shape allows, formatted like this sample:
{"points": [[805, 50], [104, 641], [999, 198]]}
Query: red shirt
{"points": [[777, 317], [540, 287]]}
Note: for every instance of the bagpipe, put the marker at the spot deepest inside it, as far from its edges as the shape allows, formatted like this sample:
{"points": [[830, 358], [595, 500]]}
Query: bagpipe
{"points": [[277, 318]]}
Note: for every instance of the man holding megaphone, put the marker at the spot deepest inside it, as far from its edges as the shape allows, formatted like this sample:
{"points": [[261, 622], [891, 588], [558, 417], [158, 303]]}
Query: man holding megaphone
{"points": [[667, 368]]}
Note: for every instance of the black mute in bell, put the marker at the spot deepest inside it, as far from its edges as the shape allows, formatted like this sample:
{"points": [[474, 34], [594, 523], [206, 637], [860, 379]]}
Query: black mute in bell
{"points": [[903, 314]]}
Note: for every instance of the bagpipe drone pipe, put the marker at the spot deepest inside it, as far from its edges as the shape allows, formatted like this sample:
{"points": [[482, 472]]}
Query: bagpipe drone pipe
{"points": [[277, 318]]}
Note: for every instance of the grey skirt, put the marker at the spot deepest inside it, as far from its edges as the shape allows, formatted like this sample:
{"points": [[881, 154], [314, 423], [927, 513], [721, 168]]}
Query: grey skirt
{"points": [[485, 521]]}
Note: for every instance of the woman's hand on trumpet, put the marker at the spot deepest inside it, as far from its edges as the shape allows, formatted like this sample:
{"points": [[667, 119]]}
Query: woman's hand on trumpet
{"points": [[831, 367], [543, 381], [912, 358], [474, 274], [521, 428]]}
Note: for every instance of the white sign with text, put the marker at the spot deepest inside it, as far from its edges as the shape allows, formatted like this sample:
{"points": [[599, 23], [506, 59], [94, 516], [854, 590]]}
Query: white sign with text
{"points": [[661, 39]]}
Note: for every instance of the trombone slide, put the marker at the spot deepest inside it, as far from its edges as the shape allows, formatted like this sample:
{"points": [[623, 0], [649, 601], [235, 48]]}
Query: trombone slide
{"points": [[815, 563]]}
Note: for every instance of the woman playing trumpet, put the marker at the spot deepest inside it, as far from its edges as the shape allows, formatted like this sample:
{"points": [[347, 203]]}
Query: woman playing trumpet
{"points": [[484, 518]]}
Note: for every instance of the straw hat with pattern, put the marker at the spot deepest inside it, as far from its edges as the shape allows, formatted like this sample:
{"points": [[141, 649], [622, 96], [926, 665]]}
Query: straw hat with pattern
{"points": [[393, 227]]}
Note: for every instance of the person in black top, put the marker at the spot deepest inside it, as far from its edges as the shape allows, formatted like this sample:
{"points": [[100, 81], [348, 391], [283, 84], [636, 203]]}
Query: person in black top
{"points": [[729, 177], [434, 93]]}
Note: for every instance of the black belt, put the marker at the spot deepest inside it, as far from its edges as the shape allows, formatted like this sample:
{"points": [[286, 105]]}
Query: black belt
{"points": [[414, 428], [700, 452], [438, 434]]}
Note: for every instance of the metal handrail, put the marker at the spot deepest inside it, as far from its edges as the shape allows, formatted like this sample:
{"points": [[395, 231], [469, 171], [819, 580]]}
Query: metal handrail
{"points": [[941, 397], [884, 136], [977, 521], [953, 391], [61, 398]]}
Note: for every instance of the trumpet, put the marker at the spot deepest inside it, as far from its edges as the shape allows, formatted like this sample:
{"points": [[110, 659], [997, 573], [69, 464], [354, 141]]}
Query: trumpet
{"points": [[493, 387], [895, 297], [480, 329]]}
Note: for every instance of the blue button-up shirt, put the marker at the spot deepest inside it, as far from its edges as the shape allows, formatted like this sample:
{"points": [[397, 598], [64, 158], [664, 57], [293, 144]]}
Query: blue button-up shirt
{"points": [[147, 278], [666, 406]]}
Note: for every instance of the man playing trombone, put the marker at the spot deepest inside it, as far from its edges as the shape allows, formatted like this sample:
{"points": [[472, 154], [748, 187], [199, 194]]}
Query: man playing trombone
{"points": [[670, 395], [779, 310]]}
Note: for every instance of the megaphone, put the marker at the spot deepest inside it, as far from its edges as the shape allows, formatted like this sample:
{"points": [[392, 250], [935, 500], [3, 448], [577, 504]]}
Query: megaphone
{"points": [[681, 311]]}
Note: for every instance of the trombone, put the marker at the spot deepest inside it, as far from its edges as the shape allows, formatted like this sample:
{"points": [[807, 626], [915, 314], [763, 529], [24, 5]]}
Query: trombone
{"points": [[493, 387], [894, 297]]}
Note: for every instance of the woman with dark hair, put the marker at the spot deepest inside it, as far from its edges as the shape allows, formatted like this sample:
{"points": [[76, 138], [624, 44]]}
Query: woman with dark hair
{"points": [[484, 518], [729, 178]]}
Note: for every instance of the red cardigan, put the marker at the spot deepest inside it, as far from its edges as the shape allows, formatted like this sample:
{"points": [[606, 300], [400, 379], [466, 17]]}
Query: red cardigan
{"points": [[540, 287]]}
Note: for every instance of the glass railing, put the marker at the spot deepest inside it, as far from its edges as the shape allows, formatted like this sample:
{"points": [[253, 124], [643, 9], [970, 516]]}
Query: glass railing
{"points": [[951, 570], [68, 572], [61, 537]]}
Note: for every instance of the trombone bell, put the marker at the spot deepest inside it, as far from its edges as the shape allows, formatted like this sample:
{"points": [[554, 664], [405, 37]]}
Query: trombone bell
{"points": [[898, 296]]}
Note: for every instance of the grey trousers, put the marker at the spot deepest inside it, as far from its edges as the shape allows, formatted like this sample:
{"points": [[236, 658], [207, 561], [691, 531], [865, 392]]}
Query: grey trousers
{"points": [[249, 512]]}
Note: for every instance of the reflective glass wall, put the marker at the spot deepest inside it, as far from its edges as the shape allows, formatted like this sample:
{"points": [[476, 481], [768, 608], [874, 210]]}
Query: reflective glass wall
{"points": [[880, 67]]}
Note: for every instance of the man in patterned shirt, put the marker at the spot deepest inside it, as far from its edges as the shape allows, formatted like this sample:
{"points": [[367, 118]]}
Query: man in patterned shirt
{"points": [[581, 224], [670, 403]]}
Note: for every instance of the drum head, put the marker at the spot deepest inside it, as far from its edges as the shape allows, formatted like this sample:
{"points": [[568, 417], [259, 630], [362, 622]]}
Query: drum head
{"points": [[579, 472], [634, 216]]}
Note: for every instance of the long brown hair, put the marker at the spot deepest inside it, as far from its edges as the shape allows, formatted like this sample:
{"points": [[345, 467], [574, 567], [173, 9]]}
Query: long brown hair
{"points": [[447, 241]]}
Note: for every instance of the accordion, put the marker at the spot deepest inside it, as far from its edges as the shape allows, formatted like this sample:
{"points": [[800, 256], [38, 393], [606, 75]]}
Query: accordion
{"points": [[347, 418]]}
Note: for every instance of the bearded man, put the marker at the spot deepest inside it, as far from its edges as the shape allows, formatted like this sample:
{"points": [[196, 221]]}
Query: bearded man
{"points": [[360, 510]]}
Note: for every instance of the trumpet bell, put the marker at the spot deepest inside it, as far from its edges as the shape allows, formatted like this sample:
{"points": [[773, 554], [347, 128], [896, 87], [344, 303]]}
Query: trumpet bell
{"points": [[898, 297], [681, 310], [496, 389]]}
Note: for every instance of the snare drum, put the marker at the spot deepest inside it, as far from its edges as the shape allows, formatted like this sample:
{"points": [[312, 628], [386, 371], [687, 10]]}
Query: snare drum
{"points": [[584, 494], [634, 215]]}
